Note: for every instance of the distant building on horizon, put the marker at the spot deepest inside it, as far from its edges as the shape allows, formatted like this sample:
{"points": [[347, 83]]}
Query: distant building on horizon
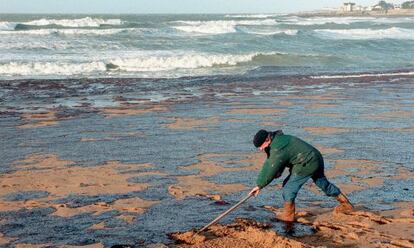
{"points": [[348, 7]]}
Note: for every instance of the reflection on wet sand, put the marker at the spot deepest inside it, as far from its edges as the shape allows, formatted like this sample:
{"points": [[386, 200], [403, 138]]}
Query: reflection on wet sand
{"points": [[126, 110], [328, 150], [189, 123], [255, 111], [329, 115], [43, 119], [197, 186], [326, 130], [390, 115]]}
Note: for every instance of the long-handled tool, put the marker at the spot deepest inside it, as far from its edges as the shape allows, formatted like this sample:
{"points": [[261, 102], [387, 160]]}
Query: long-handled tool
{"points": [[225, 213]]}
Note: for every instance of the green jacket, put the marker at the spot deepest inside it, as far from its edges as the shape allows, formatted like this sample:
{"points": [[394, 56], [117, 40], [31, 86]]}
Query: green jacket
{"points": [[289, 151]]}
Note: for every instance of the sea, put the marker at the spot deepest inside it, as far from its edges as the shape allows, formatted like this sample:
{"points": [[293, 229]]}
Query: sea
{"points": [[173, 46]]}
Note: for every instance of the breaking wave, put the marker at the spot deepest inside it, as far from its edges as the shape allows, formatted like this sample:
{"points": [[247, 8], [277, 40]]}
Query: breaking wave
{"points": [[73, 23], [7, 25], [219, 27], [143, 63], [50, 68], [273, 32], [68, 31], [366, 34]]}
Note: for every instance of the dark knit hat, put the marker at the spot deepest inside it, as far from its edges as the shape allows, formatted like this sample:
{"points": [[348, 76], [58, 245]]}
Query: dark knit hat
{"points": [[260, 137]]}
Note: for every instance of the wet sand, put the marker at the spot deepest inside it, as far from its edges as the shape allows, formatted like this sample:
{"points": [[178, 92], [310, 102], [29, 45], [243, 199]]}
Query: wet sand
{"points": [[130, 170]]}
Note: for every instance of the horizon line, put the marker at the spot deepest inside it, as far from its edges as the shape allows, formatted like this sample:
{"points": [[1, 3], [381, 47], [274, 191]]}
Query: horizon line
{"points": [[154, 13]]}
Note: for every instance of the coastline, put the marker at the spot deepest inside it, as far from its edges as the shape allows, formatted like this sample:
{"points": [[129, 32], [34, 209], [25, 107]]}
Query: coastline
{"points": [[389, 13]]}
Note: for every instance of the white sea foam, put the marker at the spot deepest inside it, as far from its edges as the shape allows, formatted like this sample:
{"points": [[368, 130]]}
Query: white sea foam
{"points": [[135, 62], [390, 74], [187, 60], [75, 23], [81, 22], [66, 31], [219, 27], [49, 68], [273, 32], [366, 34]]}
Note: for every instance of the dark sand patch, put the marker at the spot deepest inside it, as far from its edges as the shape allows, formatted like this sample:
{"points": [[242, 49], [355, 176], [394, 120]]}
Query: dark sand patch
{"points": [[190, 123], [326, 130]]}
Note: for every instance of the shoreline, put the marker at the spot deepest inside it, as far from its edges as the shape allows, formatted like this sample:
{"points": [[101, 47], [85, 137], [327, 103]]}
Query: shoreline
{"points": [[389, 13]]}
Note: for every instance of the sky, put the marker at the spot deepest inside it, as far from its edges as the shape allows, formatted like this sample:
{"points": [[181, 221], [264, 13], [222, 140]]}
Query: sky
{"points": [[171, 6]]}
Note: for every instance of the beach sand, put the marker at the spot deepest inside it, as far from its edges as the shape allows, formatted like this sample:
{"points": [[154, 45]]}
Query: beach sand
{"points": [[359, 228], [151, 174]]}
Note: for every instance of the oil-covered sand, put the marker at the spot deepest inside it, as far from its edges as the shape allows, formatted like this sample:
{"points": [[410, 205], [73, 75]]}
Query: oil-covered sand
{"points": [[104, 162]]}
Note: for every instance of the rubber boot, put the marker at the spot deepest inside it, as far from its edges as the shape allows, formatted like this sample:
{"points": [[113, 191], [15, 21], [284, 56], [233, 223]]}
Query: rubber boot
{"points": [[288, 214], [344, 204]]}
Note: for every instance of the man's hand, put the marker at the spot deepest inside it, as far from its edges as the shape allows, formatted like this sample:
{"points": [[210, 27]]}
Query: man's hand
{"points": [[255, 191]]}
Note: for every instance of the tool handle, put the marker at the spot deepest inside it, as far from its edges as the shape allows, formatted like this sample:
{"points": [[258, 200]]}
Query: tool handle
{"points": [[225, 213]]}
